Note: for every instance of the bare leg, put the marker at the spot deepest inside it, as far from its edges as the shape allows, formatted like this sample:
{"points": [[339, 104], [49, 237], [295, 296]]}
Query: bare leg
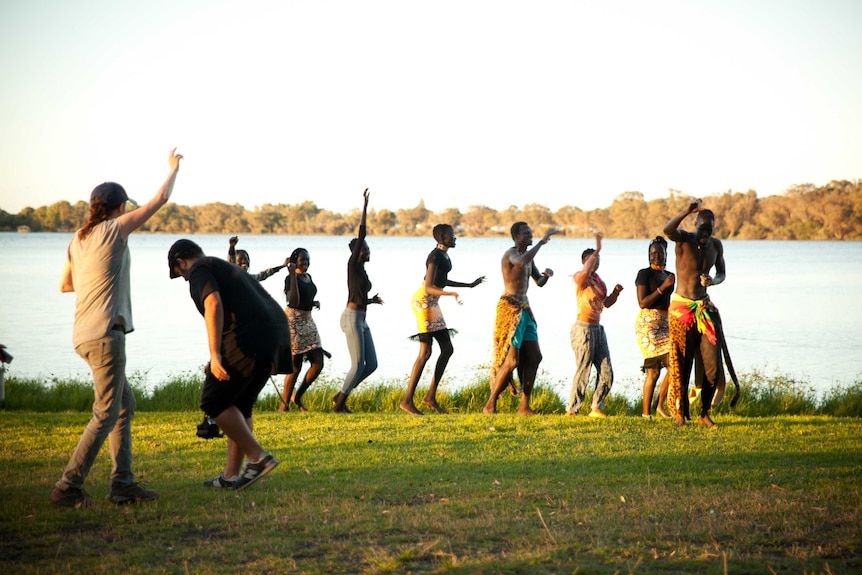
{"points": [[528, 366], [649, 390], [446, 351], [316, 358], [241, 440], [418, 366], [662, 396], [289, 382], [503, 374]]}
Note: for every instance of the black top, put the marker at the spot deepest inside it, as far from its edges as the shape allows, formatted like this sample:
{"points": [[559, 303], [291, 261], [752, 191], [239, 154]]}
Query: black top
{"points": [[358, 284], [253, 321], [653, 279], [303, 297], [442, 269]]}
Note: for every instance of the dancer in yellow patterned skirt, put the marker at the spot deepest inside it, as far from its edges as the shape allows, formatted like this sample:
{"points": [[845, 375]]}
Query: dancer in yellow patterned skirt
{"points": [[691, 315], [655, 286], [516, 340], [429, 318]]}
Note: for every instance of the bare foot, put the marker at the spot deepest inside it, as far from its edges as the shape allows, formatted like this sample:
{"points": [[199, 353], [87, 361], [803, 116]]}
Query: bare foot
{"points": [[660, 410], [526, 411], [489, 409], [513, 389], [409, 408], [432, 403], [708, 422], [679, 421]]}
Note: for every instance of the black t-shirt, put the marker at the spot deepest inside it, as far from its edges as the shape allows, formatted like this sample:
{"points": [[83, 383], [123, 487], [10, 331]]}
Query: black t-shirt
{"points": [[253, 321], [444, 266], [653, 279], [304, 298], [358, 284]]}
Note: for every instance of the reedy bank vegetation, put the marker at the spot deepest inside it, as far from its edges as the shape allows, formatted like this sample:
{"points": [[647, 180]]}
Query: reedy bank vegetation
{"points": [[803, 212]]}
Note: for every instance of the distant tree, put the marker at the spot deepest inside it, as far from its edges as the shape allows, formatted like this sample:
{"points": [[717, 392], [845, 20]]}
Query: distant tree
{"points": [[413, 220], [476, 220], [628, 216], [804, 211], [451, 216]]}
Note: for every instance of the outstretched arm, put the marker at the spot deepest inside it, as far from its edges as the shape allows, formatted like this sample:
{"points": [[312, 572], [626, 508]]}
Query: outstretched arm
{"points": [[527, 256], [131, 221], [474, 283]]}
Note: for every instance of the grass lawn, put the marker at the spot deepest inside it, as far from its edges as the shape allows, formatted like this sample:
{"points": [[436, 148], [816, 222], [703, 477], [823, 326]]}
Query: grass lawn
{"points": [[459, 493]]}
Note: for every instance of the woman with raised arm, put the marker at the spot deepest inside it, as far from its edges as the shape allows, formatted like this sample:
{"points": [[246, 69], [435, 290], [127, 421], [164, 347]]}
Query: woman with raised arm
{"points": [[300, 291], [97, 269], [654, 287], [429, 318], [360, 344]]}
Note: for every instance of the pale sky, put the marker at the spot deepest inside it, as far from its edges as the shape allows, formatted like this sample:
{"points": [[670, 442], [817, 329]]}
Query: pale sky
{"points": [[456, 103]]}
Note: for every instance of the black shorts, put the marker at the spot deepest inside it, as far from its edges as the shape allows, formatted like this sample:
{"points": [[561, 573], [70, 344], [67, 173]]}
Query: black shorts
{"points": [[248, 376], [657, 362]]}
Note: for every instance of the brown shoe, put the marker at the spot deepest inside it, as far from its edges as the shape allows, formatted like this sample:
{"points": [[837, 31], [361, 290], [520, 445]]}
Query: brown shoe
{"points": [[71, 497], [130, 493]]}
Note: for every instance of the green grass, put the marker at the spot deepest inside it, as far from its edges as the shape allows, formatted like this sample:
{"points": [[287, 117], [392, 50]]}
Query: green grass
{"points": [[389, 493], [762, 395], [384, 492]]}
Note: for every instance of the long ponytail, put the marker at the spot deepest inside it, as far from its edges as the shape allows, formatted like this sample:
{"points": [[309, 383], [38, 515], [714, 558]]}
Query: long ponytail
{"points": [[98, 214]]}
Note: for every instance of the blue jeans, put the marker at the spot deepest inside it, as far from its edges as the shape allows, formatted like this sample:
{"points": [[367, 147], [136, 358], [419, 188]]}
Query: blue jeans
{"points": [[113, 410], [591, 349], [360, 345]]}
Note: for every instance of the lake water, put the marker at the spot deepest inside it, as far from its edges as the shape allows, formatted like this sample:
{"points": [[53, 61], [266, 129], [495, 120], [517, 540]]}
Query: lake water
{"points": [[787, 307]]}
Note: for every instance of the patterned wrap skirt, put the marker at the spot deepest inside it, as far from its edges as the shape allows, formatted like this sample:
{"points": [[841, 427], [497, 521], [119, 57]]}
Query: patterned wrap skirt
{"points": [[426, 307], [651, 328], [303, 331]]}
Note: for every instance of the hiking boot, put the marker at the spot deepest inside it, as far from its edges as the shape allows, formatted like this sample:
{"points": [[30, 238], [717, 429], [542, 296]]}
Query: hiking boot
{"points": [[122, 493], [251, 472], [221, 483], [71, 497]]}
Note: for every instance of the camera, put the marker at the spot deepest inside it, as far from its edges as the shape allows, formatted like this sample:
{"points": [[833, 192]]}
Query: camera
{"points": [[209, 429]]}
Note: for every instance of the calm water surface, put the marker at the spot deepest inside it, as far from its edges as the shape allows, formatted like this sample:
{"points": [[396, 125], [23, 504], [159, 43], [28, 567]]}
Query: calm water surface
{"points": [[788, 307]]}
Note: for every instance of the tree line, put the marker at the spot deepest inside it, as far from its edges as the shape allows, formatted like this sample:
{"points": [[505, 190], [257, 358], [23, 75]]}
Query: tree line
{"points": [[803, 212]]}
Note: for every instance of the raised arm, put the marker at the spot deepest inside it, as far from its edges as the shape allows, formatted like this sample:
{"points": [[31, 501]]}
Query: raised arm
{"points": [[231, 250], [130, 221], [670, 228], [292, 291], [362, 232], [590, 264]]}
